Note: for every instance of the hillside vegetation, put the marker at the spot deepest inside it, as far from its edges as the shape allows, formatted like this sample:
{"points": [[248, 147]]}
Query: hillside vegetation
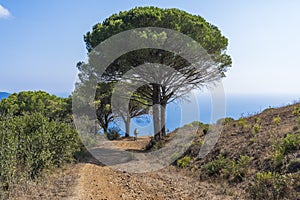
{"points": [[36, 135], [259, 154], [256, 157]]}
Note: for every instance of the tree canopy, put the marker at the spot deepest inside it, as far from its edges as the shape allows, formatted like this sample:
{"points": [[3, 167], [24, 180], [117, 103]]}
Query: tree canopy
{"points": [[36, 134], [169, 85], [51, 106]]}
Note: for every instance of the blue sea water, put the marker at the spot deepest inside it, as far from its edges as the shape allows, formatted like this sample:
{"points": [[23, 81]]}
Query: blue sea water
{"points": [[183, 112], [3, 95], [236, 106]]}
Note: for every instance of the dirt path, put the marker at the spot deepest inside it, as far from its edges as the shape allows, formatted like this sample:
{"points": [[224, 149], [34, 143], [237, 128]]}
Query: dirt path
{"points": [[101, 182]]}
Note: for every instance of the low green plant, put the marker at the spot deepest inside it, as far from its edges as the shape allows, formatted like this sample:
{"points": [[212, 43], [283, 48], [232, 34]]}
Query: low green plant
{"points": [[241, 167], [257, 120], [286, 145], [184, 162], [235, 171], [296, 110], [277, 158], [113, 133], [256, 128], [270, 185], [242, 122], [215, 167], [200, 142], [206, 129], [225, 120], [277, 120], [32, 144], [290, 143]]}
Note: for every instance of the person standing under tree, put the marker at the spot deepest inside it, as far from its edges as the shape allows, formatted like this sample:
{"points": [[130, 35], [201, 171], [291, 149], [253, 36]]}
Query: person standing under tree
{"points": [[136, 132]]}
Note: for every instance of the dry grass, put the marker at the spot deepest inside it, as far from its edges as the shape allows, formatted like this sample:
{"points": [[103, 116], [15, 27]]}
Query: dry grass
{"points": [[57, 184]]}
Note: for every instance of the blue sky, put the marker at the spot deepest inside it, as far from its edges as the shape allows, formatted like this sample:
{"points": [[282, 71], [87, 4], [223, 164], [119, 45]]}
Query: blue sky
{"points": [[41, 41]]}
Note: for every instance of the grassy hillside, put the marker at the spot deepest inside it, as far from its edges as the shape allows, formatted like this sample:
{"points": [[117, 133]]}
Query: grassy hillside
{"points": [[260, 154]]}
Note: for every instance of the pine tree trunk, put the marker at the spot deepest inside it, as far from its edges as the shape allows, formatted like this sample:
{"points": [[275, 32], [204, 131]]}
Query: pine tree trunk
{"points": [[105, 128], [127, 125], [163, 119], [156, 112]]}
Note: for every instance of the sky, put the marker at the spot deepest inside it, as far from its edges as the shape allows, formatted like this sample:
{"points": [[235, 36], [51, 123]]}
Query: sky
{"points": [[41, 41]]}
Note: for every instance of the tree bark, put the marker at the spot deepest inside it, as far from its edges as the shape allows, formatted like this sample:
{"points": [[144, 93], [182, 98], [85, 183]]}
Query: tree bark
{"points": [[127, 125], [105, 128], [163, 119], [156, 112], [163, 104]]}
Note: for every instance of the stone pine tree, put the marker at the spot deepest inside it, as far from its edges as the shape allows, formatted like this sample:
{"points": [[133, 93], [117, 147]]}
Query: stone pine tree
{"points": [[167, 88], [126, 110]]}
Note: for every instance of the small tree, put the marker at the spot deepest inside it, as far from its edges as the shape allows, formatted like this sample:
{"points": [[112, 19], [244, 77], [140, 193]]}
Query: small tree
{"points": [[103, 106]]}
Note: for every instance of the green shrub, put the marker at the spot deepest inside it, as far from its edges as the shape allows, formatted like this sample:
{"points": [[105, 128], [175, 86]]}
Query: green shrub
{"points": [[277, 158], [242, 122], [225, 120], [200, 142], [233, 170], [240, 168], [296, 110], [34, 143], [257, 120], [252, 139], [277, 120], [196, 124], [290, 143], [270, 185], [286, 145], [113, 133], [206, 129], [184, 162], [256, 129], [215, 167]]}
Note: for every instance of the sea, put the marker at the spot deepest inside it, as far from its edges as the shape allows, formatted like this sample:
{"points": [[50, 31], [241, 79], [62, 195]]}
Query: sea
{"points": [[204, 110], [207, 109]]}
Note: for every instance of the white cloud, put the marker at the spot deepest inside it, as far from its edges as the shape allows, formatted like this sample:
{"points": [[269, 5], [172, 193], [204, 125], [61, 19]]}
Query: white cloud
{"points": [[4, 13]]}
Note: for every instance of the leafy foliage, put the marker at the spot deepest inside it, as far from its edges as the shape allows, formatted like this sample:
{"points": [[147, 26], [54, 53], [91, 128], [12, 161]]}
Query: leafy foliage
{"points": [[232, 170], [286, 145], [32, 144], [242, 122], [184, 162], [296, 110], [225, 120], [113, 133], [270, 185], [103, 104], [168, 88], [256, 128], [214, 167], [36, 134], [23, 103], [277, 120], [289, 143]]}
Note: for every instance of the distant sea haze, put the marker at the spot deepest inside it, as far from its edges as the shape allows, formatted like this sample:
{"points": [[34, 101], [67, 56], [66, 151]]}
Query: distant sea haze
{"points": [[237, 105]]}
